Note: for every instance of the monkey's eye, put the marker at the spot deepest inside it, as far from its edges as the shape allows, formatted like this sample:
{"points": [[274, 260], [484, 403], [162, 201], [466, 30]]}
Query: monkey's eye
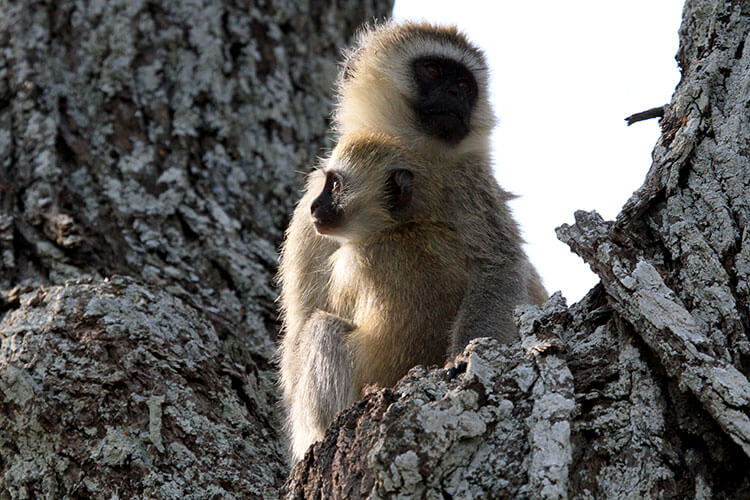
{"points": [[464, 86], [333, 182], [428, 70], [432, 70]]}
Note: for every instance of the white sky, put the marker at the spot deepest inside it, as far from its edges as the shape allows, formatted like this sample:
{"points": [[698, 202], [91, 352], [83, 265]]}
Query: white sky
{"points": [[564, 75]]}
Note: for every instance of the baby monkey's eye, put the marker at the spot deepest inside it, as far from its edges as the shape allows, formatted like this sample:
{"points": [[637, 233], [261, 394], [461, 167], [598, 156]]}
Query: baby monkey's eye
{"points": [[464, 86], [333, 182]]}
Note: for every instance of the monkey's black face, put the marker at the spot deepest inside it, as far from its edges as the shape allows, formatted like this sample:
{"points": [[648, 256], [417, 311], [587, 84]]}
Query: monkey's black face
{"points": [[446, 95], [326, 208]]}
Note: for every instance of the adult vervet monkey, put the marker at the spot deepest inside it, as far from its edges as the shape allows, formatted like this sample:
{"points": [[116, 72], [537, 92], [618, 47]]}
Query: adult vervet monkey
{"points": [[428, 86]]}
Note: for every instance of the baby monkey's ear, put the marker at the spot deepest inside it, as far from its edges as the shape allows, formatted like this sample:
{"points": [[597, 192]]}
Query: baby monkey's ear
{"points": [[398, 189]]}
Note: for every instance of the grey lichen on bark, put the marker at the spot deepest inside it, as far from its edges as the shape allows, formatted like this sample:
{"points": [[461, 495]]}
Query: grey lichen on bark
{"points": [[112, 388], [553, 395]]}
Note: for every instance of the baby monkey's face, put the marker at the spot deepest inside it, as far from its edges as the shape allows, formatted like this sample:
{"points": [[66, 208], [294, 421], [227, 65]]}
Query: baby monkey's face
{"points": [[327, 209], [358, 201]]}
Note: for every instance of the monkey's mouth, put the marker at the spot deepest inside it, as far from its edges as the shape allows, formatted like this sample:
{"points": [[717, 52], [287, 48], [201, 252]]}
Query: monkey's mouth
{"points": [[450, 126], [326, 218], [325, 228]]}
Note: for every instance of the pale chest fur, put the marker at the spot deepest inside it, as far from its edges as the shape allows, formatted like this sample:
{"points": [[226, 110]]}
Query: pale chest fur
{"points": [[349, 295]]}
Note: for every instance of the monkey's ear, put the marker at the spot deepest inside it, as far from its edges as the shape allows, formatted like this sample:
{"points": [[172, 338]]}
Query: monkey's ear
{"points": [[399, 189]]}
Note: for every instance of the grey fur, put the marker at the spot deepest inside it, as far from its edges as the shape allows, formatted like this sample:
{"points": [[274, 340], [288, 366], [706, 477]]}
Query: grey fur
{"points": [[500, 274], [321, 391]]}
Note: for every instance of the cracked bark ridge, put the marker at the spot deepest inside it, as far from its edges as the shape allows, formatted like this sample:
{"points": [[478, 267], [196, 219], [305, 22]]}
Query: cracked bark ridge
{"points": [[638, 293], [675, 264], [554, 400], [468, 437], [635, 434], [113, 387]]}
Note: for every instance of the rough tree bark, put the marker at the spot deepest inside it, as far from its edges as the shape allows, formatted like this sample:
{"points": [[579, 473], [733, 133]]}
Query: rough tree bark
{"points": [[158, 142], [147, 166], [638, 391]]}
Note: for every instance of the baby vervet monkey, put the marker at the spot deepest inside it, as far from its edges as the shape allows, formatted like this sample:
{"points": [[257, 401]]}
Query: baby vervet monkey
{"points": [[427, 85], [393, 282]]}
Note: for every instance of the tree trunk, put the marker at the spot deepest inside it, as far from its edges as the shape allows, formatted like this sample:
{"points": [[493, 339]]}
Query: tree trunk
{"points": [[638, 391], [159, 142], [149, 154]]}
